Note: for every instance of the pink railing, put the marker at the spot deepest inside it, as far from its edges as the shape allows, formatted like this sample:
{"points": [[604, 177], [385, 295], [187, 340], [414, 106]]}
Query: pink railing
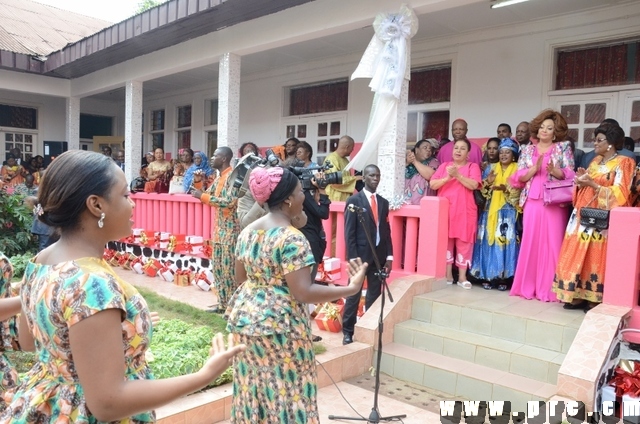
{"points": [[421, 251], [173, 213], [623, 262]]}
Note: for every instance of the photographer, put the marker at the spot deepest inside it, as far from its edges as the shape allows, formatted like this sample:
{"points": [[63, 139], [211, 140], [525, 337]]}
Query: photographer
{"points": [[316, 206]]}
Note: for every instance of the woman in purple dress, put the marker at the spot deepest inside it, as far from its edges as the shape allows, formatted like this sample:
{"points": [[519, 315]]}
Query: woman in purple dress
{"points": [[421, 165]]}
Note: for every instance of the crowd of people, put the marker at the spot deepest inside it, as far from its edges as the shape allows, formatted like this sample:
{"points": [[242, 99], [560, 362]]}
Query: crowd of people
{"points": [[504, 232]]}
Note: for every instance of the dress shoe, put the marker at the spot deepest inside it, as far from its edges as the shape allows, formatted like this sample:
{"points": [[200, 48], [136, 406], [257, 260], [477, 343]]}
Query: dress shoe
{"points": [[347, 339]]}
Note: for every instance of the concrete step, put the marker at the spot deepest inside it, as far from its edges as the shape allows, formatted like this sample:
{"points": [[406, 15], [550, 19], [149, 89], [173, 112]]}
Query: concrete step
{"points": [[503, 355], [463, 380], [496, 314]]}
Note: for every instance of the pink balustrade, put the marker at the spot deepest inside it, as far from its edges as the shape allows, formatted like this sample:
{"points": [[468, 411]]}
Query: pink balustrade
{"points": [[172, 213], [622, 282], [419, 233]]}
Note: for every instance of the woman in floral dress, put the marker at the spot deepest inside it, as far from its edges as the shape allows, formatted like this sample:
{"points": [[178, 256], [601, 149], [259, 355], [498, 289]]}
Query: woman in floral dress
{"points": [[90, 330], [274, 380], [9, 307]]}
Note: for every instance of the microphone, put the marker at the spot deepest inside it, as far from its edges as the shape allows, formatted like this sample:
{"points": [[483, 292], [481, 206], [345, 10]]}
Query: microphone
{"points": [[354, 208]]}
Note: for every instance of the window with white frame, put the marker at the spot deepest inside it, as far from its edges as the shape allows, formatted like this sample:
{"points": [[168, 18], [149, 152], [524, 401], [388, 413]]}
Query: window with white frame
{"points": [[183, 127], [157, 129], [596, 81], [211, 125], [18, 130], [429, 102]]}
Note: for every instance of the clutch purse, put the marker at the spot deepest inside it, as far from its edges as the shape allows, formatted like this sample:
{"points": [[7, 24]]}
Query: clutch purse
{"points": [[594, 218], [557, 192]]}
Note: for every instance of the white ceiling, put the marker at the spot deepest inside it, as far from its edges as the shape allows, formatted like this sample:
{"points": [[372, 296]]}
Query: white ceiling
{"points": [[443, 23]]}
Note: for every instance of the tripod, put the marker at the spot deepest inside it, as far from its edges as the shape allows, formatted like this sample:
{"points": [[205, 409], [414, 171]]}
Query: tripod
{"points": [[382, 274]]}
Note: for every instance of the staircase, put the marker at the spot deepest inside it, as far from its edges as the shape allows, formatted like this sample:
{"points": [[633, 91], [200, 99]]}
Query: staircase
{"points": [[482, 345]]}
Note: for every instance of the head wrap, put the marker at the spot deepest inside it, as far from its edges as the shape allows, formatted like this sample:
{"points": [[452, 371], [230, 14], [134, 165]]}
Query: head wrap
{"points": [[204, 166], [507, 143], [272, 185], [435, 144]]}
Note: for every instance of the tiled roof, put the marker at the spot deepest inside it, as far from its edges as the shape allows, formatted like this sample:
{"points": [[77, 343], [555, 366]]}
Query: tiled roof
{"points": [[32, 28]]}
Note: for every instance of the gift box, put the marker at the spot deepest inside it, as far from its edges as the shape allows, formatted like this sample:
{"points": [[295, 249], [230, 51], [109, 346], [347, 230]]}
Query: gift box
{"points": [[129, 240], [137, 265], [145, 238], [167, 272], [108, 254], [115, 259], [126, 259], [156, 238], [171, 242], [194, 244], [183, 277], [329, 271], [329, 317], [203, 280], [151, 267], [624, 387]]}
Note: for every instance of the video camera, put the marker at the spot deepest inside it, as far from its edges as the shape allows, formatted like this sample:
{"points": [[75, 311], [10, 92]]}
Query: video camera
{"points": [[306, 177]]}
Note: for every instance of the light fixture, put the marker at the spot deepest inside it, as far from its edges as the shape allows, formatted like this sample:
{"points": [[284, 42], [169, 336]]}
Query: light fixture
{"points": [[504, 3]]}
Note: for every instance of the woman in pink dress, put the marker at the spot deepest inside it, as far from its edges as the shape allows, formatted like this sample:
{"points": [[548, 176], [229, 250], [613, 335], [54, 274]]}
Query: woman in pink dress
{"points": [[543, 226], [456, 181]]}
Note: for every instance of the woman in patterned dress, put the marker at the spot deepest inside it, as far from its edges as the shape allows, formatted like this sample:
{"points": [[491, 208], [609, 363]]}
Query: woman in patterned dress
{"points": [[274, 380], [495, 252], [422, 164], [9, 307], [579, 279], [90, 330]]}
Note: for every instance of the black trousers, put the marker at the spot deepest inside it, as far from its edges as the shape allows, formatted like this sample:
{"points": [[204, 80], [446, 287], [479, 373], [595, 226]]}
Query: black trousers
{"points": [[351, 305]]}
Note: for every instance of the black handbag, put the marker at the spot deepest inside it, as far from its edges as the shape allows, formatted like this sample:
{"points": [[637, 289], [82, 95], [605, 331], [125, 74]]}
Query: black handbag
{"points": [[594, 217], [479, 199]]}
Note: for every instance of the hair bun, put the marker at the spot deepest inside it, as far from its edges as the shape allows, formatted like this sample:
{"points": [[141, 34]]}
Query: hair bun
{"points": [[262, 182]]}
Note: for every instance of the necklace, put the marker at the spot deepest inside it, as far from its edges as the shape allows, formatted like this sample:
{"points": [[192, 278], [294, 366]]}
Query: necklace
{"points": [[604, 162]]}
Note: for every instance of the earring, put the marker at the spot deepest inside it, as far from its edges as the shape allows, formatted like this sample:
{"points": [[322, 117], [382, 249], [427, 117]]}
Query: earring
{"points": [[609, 148], [101, 221]]}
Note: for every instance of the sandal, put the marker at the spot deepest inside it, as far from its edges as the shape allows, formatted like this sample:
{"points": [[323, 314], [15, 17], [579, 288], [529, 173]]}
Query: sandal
{"points": [[503, 287], [487, 286], [465, 285], [449, 282]]}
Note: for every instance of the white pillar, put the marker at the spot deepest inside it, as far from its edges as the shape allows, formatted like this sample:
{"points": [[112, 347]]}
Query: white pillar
{"points": [[392, 150], [229, 101], [72, 128], [132, 128]]}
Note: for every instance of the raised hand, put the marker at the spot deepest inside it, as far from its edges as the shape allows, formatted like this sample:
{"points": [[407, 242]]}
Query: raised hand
{"points": [[491, 177], [357, 271], [220, 357]]}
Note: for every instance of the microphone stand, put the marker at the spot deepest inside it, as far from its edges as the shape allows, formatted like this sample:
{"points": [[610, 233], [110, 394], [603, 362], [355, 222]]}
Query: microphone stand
{"points": [[382, 274]]}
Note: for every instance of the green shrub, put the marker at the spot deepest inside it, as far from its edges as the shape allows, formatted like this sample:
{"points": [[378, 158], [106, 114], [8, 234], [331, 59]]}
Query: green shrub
{"points": [[179, 348], [15, 225], [19, 263]]}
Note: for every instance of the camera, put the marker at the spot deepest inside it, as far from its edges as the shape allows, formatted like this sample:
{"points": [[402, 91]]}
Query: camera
{"points": [[305, 175]]}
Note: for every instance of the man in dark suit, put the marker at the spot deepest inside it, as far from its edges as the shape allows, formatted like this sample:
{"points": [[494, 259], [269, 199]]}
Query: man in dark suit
{"points": [[376, 219]]}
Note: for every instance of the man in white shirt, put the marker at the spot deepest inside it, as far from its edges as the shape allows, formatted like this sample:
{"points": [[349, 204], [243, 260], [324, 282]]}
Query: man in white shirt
{"points": [[376, 220]]}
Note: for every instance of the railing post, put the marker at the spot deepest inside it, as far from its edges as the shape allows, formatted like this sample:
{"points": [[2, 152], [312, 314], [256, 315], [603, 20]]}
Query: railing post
{"points": [[622, 263], [433, 235]]}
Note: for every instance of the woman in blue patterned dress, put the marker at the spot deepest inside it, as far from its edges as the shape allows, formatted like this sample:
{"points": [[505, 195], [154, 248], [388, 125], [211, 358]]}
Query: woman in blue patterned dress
{"points": [[90, 330], [274, 380], [496, 249]]}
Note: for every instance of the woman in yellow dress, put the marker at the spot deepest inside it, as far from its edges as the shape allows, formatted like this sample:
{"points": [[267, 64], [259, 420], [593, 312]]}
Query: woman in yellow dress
{"points": [[12, 174], [156, 169]]}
